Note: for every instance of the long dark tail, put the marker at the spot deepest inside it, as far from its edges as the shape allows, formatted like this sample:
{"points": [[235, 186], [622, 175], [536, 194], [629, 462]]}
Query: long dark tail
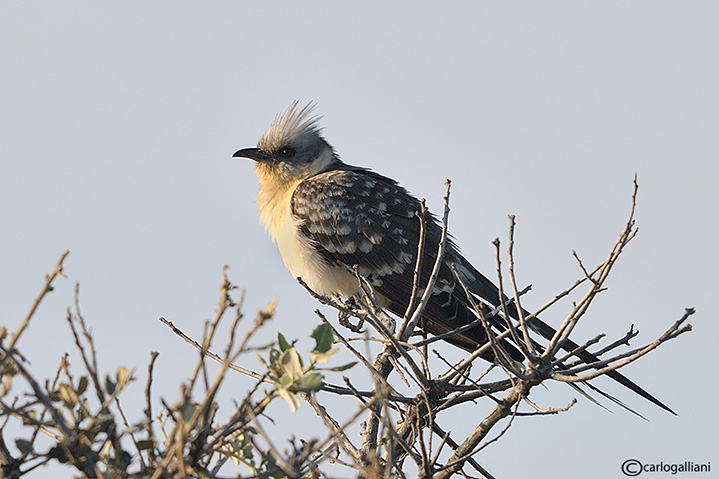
{"points": [[485, 289]]}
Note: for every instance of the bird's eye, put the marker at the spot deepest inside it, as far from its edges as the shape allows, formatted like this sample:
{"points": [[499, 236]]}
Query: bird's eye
{"points": [[287, 152]]}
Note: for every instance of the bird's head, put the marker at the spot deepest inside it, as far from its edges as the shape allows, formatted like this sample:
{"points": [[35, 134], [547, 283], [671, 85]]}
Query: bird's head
{"points": [[292, 148]]}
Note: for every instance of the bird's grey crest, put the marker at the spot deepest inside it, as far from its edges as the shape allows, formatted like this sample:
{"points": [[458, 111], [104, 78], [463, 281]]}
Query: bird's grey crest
{"points": [[294, 127]]}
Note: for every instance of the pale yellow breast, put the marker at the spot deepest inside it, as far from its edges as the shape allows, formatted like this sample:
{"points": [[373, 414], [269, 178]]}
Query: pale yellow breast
{"points": [[298, 252]]}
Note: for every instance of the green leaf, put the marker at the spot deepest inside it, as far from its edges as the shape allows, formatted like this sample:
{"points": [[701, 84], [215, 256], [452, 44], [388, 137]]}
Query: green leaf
{"points": [[324, 356], [239, 450], [290, 397], [145, 444], [121, 460], [310, 382], [109, 385], [262, 361], [68, 395], [82, 385], [340, 368], [283, 381], [324, 337], [292, 364], [187, 410], [23, 445], [59, 452], [282, 343], [105, 421]]}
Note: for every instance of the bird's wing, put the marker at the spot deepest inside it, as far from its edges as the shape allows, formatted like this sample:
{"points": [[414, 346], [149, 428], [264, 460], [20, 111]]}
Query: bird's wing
{"points": [[355, 217]]}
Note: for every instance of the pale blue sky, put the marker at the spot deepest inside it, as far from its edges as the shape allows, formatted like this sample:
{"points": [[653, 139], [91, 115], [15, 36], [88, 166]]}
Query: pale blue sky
{"points": [[118, 122]]}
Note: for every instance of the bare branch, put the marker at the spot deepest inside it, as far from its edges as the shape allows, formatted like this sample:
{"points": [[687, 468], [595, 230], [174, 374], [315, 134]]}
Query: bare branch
{"points": [[408, 326], [47, 287], [627, 358]]}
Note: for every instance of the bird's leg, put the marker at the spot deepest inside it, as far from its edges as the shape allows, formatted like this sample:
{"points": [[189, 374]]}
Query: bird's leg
{"points": [[344, 316]]}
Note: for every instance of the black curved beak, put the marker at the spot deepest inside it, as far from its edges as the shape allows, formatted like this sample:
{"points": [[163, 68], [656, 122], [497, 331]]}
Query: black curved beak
{"points": [[251, 153]]}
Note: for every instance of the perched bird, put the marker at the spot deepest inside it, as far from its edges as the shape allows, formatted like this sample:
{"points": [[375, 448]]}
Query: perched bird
{"points": [[328, 218]]}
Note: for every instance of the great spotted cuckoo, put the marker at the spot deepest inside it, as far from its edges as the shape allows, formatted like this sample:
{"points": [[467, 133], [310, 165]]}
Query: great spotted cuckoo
{"points": [[330, 219]]}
